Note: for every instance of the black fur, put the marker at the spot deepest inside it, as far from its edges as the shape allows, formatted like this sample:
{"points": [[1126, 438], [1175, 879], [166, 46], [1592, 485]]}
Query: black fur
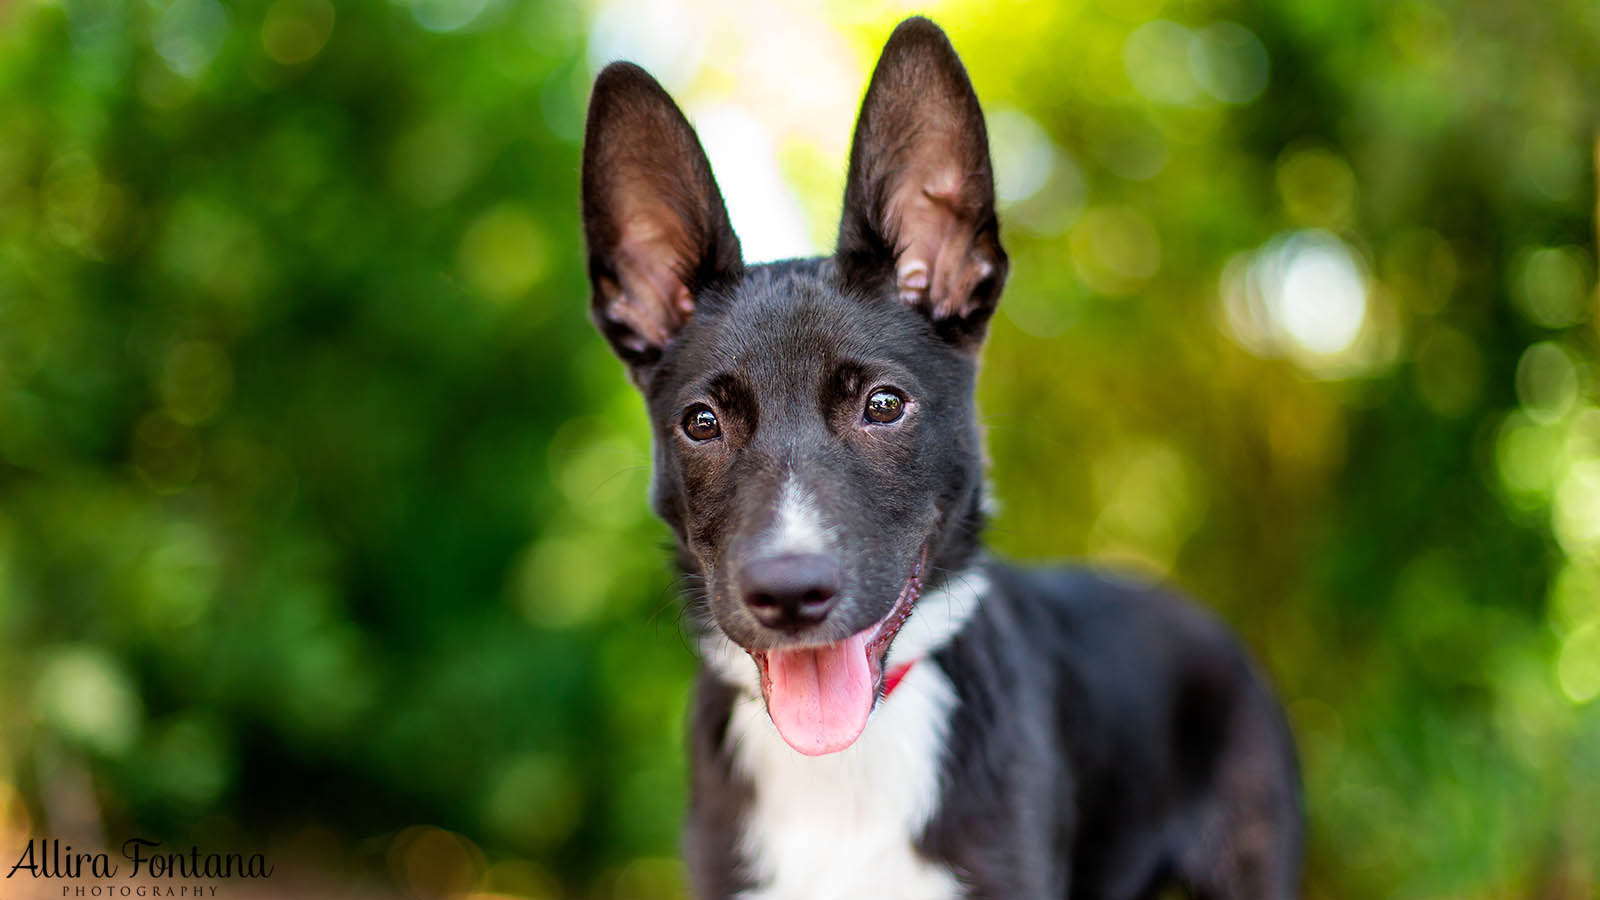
{"points": [[1107, 739], [775, 358], [1154, 710]]}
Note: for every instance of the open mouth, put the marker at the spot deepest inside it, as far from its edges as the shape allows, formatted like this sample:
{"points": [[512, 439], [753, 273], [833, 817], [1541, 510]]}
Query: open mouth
{"points": [[820, 697]]}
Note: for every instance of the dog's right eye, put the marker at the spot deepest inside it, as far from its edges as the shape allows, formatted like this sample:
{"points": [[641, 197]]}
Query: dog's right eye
{"points": [[701, 424]]}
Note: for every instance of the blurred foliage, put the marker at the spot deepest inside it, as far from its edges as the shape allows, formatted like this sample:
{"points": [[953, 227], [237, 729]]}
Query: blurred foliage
{"points": [[322, 511]]}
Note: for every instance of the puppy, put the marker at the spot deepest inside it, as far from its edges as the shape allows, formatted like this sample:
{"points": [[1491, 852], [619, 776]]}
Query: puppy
{"points": [[884, 710]]}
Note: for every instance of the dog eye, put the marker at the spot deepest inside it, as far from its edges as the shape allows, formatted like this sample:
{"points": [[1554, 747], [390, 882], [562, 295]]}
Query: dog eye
{"points": [[885, 406], [701, 424]]}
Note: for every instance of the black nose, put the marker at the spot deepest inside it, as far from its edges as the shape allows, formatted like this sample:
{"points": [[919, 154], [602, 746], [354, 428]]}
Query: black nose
{"points": [[790, 592]]}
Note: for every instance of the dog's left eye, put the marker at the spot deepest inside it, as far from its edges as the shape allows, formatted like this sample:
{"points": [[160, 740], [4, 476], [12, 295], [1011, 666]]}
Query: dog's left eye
{"points": [[885, 406]]}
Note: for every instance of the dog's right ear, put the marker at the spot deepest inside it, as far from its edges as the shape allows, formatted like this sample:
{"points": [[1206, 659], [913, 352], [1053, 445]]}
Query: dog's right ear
{"points": [[657, 230]]}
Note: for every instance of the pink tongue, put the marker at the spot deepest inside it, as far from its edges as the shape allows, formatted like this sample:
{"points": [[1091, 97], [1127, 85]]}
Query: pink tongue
{"points": [[819, 697]]}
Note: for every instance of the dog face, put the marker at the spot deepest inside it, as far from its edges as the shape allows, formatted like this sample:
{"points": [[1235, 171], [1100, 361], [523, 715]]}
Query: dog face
{"points": [[815, 446]]}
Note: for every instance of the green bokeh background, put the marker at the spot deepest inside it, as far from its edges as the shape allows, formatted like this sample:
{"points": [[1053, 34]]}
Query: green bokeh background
{"points": [[322, 509]]}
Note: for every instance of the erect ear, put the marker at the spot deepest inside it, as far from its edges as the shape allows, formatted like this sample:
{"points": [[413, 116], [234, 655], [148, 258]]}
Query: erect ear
{"points": [[919, 199], [657, 230]]}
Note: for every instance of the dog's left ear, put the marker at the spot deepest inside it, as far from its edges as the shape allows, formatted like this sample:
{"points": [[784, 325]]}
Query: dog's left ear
{"points": [[919, 200]]}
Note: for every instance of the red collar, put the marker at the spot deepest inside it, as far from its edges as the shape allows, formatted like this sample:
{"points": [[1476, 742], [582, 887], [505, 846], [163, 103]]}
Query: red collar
{"points": [[891, 678]]}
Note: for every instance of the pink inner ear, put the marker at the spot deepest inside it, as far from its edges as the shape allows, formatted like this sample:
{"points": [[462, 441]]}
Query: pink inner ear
{"points": [[912, 279], [938, 266], [651, 298]]}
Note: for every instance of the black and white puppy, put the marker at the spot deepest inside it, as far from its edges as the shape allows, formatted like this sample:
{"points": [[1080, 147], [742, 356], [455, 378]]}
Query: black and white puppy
{"points": [[883, 711]]}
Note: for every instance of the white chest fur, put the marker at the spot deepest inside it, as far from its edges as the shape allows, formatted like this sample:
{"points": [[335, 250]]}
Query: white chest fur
{"points": [[842, 826]]}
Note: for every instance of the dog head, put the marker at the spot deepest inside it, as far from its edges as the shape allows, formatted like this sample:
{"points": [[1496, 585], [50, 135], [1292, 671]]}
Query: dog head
{"points": [[815, 445]]}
